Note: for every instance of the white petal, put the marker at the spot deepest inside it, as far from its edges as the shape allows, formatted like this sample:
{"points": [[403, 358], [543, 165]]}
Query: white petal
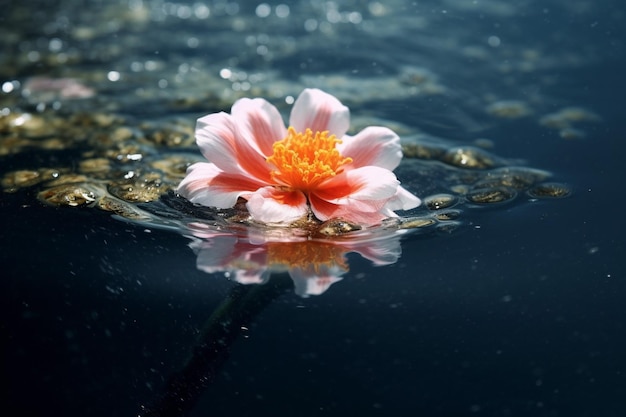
{"points": [[403, 200], [259, 123], [367, 214], [235, 149], [216, 136], [359, 195], [270, 205], [374, 145], [209, 186], [319, 111]]}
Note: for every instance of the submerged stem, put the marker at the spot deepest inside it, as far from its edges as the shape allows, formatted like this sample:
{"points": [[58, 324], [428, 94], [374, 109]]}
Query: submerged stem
{"points": [[222, 328]]}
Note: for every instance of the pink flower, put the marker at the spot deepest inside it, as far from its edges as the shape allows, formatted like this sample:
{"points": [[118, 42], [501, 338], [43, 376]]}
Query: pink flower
{"points": [[284, 173]]}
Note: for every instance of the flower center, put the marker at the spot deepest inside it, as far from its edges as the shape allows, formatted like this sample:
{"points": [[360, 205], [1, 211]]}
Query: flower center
{"points": [[305, 159]]}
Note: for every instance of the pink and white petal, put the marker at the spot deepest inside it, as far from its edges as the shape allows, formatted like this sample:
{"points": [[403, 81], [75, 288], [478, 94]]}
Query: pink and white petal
{"points": [[221, 142], [217, 136], [319, 111], [324, 210], [259, 123], [403, 200], [359, 196], [374, 145], [255, 164], [366, 219], [369, 183], [209, 186], [272, 205]]}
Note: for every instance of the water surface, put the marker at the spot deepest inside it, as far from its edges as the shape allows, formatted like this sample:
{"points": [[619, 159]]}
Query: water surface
{"points": [[518, 311]]}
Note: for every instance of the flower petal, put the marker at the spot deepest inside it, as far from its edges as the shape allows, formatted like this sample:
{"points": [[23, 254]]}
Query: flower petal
{"points": [[272, 205], [208, 185], [216, 136], [369, 183], [403, 200], [324, 210], [259, 123], [357, 195], [221, 141], [374, 145], [319, 111]]}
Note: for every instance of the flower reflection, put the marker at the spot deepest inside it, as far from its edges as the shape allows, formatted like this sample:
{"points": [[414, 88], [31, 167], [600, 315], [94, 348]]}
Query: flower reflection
{"points": [[313, 264]]}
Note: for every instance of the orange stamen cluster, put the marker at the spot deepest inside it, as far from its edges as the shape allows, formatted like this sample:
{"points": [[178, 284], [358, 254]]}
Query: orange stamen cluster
{"points": [[304, 159]]}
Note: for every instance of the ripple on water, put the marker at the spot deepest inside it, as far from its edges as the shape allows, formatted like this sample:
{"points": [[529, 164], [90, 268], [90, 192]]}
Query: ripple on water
{"points": [[123, 164]]}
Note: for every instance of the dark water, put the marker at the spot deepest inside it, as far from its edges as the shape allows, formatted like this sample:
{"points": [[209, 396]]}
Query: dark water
{"points": [[518, 313]]}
